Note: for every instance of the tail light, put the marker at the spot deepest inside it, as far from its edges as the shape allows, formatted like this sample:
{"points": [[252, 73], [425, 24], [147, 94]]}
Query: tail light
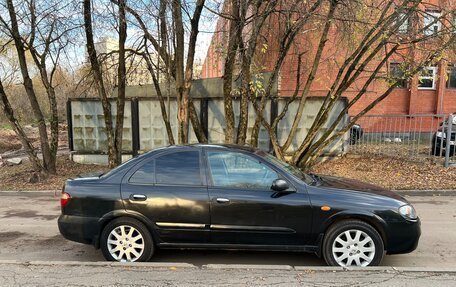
{"points": [[64, 198]]}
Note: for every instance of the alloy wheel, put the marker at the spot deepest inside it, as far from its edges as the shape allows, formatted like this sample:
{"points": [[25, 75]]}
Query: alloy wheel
{"points": [[353, 248], [125, 243]]}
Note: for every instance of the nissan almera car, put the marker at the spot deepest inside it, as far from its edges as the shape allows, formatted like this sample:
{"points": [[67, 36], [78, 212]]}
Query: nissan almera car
{"points": [[232, 197]]}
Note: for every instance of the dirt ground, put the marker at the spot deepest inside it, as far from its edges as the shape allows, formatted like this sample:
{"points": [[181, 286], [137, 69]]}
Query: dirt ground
{"points": [[8, 140], [392, 173], [17, 177]]}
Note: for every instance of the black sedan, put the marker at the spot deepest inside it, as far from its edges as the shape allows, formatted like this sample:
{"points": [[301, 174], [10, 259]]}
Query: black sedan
{"points": [[231, 197]]}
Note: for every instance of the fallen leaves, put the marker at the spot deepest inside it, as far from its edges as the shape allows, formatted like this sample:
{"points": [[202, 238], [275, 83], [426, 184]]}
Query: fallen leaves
{"points": [[392, 173]]}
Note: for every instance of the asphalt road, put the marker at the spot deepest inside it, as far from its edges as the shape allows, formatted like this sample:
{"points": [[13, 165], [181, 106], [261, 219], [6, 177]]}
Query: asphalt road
{"points": [[29, 232], [63, 275]]}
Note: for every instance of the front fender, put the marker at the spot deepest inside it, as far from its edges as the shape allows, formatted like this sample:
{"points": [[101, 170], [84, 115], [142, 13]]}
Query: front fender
{"points": [[374, 220]]}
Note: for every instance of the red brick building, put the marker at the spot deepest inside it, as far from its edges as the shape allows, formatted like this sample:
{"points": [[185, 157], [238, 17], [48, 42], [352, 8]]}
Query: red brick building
{"points": [[433, 92]]}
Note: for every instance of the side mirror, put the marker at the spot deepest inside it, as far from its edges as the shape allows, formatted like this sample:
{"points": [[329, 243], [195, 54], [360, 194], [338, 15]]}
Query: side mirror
{"points": [[280, 185]]}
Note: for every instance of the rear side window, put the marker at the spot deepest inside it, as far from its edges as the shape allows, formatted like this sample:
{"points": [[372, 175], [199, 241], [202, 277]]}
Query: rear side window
{"points": [[145, 174], [180, 168]]}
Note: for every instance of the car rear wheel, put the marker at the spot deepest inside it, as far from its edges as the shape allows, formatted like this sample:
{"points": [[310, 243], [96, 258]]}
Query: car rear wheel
{"points": [[353, 243], [126, 240]]}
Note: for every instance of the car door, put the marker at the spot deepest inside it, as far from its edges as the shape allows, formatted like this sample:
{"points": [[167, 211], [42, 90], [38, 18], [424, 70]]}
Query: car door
{"points": [[171, 191], [244, 209]]}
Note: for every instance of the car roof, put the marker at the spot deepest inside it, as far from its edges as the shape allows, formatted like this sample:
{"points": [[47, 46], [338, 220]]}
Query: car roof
{"points": [[216, 146], [230, 147]]}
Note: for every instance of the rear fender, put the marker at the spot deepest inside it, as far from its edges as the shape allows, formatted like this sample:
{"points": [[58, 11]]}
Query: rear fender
{"points": [[124, 213]]}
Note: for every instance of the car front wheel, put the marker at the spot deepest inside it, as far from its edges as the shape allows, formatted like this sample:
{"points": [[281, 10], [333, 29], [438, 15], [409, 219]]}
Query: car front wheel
{"points": [[353, 243], [126, 240]]}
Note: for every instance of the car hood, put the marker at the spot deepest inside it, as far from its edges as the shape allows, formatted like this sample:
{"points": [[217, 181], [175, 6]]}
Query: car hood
{"points": [[356, 185]]}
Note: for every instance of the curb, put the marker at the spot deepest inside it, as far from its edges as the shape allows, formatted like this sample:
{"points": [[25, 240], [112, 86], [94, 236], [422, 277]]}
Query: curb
{"points": [[175, 266], [32, 191], [156, 265], [247, 267]]}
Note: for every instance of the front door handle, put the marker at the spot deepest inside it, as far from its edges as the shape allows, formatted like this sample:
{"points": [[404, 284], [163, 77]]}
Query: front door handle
{"points": [[223, 200], [138, 197]]}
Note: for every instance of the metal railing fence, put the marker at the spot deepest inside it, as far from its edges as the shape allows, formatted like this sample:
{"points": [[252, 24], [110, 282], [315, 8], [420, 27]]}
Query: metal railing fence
{"points": [[412, 137]]}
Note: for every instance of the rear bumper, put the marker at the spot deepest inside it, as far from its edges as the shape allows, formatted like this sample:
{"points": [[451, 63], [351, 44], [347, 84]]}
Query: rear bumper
{"points": [[80, 229], [403, 237]]}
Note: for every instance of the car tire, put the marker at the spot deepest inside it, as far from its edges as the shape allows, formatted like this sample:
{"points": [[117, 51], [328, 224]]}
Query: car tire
{"points": [[352, 243], [126, 240], [435, 148]]}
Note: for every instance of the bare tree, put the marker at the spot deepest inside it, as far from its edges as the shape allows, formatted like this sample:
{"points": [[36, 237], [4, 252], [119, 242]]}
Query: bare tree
{"points": [[40, 31], [177, 58], [374, 41]]}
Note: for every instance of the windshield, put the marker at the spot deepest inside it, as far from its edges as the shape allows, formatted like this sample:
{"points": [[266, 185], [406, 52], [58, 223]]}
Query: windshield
{"points": [[290, 168]]}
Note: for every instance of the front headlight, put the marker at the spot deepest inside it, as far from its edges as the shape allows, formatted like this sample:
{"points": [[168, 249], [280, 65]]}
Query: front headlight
{"points": [[408, 212]]}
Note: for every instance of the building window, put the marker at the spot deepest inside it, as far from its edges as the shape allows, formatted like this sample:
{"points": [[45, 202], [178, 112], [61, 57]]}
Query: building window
{"points": [[451, 77], [397, 73], [427, 78], [432, 23], [405, 25]]}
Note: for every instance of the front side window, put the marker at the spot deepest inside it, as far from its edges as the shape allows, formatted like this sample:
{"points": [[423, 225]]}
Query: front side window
{"points": [[427, 78], [451, 77], [179, 168], [432, 23], [238, 170]]}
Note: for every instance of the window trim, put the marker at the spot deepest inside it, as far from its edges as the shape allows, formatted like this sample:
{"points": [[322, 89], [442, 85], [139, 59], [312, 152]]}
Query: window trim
{"points": [[433, 78]]}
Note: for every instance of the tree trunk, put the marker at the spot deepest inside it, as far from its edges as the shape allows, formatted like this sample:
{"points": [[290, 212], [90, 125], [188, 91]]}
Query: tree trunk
{"points": [[96, 69], [233, 43], [182, 100], [121, 80], [244, 105], [54, 121], [161, 100]]}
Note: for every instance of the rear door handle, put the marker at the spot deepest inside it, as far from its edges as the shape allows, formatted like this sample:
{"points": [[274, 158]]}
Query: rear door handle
{"points": [[222, 200], [138, 197]]}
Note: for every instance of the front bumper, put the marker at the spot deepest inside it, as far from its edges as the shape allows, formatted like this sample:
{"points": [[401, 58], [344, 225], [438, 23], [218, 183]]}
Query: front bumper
{"points": [[403, 236], [79, 229]]}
